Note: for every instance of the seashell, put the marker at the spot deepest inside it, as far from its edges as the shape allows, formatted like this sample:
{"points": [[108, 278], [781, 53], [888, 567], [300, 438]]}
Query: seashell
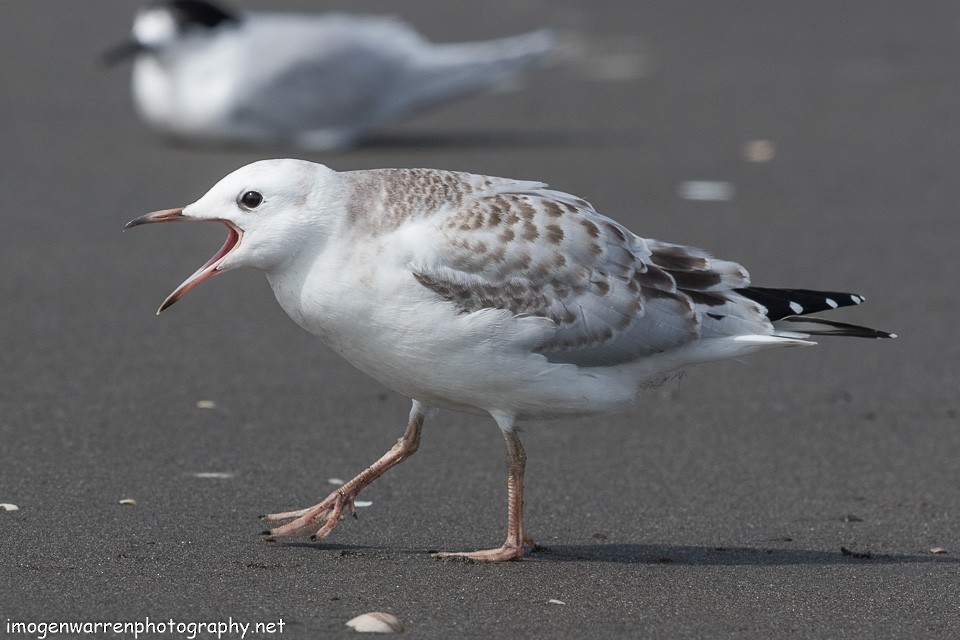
{"points": [[6, 506], [758, 151], [376, 622], [706, 190], [128, 501]]}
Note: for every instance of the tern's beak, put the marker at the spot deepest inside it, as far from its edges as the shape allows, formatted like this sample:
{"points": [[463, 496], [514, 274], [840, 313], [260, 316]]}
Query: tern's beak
{"points": [[121, 52], [212, 267]]}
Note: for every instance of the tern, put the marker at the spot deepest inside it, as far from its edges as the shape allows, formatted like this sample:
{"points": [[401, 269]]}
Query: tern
{"points": [[311, 81]]}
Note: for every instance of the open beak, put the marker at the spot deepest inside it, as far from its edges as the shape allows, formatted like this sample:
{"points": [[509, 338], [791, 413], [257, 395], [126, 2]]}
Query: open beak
{"points": [[212, 267]]}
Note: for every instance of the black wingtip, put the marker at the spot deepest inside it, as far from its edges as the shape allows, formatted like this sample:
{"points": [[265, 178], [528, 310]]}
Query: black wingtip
{"points": [[822, 327], [781, 303], [795, 305]]}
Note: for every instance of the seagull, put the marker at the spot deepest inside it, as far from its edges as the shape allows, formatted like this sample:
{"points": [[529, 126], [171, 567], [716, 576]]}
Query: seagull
{"points": [[485, 295], [313, 81]]}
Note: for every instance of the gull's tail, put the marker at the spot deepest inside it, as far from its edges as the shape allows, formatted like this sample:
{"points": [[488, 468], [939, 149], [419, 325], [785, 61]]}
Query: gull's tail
{"points": [[447, 71], [788, 309]]}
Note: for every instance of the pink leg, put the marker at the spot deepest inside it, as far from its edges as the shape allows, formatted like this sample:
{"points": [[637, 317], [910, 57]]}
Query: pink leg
{"points": [[319, 520], [512, 548]]}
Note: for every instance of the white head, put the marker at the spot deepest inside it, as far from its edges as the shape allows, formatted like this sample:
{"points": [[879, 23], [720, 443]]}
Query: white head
{"points": [[155, 27], [161, 25], [271, 209]]}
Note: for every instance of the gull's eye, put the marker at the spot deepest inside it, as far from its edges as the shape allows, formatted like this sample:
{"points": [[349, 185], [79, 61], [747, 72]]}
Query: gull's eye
{"points": [[251, 199]]}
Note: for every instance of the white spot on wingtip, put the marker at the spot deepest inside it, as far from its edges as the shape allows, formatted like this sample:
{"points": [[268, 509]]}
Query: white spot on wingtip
{"points": [[796, 307], [833, 303], [856, 299]]}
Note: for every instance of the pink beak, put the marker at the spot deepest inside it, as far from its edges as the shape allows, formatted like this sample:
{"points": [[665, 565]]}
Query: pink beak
{"points": [[212, 266]]}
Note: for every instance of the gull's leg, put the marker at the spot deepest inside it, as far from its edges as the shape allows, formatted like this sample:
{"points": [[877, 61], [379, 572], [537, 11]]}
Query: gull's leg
{"points": [[517, 537], [319, 520]]}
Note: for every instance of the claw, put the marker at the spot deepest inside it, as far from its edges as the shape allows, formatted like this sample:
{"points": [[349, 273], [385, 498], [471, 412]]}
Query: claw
{"points": [[504, 553], [328, 513]]}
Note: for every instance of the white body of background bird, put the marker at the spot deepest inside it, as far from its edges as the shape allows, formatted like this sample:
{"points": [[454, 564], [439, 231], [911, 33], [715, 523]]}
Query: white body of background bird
{"points": [[314, 81]]}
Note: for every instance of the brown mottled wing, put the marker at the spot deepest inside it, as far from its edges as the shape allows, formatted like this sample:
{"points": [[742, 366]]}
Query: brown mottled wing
{"points": [[613, 296]]}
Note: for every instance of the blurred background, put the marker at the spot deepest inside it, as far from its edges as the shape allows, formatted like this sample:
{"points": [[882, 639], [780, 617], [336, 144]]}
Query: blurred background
{"points": [[816, 143]]}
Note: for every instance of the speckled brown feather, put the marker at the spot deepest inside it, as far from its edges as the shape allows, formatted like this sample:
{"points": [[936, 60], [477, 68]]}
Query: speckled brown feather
{"points": [[504, 244]]}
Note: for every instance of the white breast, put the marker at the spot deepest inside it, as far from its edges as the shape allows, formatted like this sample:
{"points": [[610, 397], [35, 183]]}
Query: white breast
{"points": [[389, 326]]}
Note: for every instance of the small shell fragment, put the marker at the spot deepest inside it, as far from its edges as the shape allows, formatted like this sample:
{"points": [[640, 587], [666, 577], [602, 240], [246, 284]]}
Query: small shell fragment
{"points": [[706, 190], [555, 601], [376, 622], [128, 501], [362, 503], [758, 151], [937, 550], [217, 475], [6, 506], [206, 404], [336, 481]]}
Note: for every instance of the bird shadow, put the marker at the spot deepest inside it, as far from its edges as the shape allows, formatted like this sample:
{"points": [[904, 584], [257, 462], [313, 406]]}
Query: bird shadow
{"points": [[434, 140], [652, 554], [517, 139], [730, 556]]}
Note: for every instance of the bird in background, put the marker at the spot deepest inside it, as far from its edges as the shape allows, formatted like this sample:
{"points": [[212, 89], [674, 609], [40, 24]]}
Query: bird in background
{"points": [[485, 295], [312, 81]]}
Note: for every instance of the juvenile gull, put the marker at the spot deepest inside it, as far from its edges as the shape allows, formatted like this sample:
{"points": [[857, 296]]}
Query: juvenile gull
{"points": [[485, 295], [315, 81]]}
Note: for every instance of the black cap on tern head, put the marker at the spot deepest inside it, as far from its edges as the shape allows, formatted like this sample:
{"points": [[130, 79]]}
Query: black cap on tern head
{"points": [[186, 15], [199, 13]]}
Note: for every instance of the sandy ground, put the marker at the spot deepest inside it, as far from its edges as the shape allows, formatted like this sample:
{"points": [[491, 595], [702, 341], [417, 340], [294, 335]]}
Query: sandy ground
{"points": [[718, 508]]}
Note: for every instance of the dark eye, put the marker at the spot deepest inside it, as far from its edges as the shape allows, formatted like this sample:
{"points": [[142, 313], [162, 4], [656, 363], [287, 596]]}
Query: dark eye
{"points": [[251, 199]]}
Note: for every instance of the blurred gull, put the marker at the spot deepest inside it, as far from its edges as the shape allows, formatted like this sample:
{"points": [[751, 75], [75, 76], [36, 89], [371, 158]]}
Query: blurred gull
{"points": [[314, 81], [485, 295]]}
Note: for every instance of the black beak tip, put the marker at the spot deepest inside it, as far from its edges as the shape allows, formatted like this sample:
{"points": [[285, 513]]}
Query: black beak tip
{"points": [[121, 52]]}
